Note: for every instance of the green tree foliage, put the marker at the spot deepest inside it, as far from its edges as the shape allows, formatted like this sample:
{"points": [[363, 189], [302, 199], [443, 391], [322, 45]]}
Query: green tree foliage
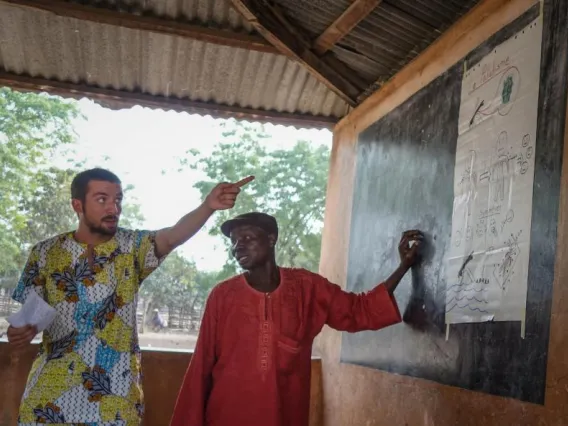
{"points": [[172, 284], [35, 202], [36, 198], [47, 209], [289, 184], [32, 129], [179, 286]]}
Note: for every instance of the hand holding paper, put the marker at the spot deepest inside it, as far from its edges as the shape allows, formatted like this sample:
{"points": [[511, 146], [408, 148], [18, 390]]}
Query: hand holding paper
{"points": [[22, 336], [35, 312]]}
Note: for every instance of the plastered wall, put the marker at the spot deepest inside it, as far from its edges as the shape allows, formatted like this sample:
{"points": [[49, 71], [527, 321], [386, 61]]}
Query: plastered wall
{"points": [[363, 397]]}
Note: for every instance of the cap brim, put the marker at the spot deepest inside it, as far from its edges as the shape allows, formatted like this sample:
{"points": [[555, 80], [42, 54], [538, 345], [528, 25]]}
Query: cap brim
{"points": [[228, 226], [231, 224]]}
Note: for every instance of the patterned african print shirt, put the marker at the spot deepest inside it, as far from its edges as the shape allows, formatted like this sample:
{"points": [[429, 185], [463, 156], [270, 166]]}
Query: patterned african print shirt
{"points": [[88, 367]]}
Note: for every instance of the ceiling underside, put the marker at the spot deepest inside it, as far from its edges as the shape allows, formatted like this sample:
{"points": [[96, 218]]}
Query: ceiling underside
{"points": [[303, 63]]}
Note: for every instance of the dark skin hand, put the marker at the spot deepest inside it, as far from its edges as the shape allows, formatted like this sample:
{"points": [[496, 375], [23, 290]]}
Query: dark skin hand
{"points": [[21, 336], [409, 256]]}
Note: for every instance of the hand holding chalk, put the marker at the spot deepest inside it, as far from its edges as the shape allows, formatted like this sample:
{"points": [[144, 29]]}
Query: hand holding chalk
{"points": [[224, 195], [409, 246]]}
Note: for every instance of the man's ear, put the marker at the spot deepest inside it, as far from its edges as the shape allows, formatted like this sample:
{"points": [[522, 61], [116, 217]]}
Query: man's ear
{"points": [[271, 240], [77, 206]]}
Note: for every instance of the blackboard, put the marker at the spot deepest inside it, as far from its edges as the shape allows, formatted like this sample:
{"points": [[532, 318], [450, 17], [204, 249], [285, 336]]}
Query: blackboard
{"points": [[404, 180]]}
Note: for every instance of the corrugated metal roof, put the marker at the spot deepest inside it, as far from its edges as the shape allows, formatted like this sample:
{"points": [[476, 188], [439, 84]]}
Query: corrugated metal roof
{"points": [[214, 13], [314, 16], [39, 44], [386, 40]]}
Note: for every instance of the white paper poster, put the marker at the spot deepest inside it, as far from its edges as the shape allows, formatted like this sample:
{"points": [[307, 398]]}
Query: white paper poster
{"points": [[487, 266]]}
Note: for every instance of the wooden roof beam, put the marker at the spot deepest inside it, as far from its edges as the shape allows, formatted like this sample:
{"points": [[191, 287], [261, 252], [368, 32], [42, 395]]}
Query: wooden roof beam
{"points": [[148, 23], [343, 25], [272, 24], [116, 99]]}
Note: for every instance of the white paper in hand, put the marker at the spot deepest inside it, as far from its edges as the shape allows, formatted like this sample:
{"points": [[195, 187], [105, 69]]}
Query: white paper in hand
{"points": [[34, 312]]}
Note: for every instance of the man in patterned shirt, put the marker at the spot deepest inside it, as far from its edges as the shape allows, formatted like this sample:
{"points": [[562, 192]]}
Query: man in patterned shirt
{"points": [[88, 368], [252, 362]]}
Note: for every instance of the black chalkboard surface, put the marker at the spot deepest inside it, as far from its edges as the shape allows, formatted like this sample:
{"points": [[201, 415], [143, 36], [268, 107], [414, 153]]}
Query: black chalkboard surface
{"points": [[404, 180]]}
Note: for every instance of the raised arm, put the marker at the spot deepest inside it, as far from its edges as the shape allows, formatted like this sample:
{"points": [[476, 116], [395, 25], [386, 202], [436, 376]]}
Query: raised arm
{"points": [[377, 308], [408, 250], [222, 197]]}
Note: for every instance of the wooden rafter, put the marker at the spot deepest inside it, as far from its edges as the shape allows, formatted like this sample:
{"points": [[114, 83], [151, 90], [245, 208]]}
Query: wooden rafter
{"points": [[355, 13], [273, 25], [148, 23], [124, 99]]}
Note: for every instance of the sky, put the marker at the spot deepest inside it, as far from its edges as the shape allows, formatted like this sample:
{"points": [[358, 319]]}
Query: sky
{"points": [[138, 144]]}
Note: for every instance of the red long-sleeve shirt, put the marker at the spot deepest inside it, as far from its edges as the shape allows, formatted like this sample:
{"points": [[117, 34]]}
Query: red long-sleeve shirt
{"points": [[251, 366]]}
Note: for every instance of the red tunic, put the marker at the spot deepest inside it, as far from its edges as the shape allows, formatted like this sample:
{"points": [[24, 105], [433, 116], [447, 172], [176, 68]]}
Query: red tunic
{"points": [[252, 362]]}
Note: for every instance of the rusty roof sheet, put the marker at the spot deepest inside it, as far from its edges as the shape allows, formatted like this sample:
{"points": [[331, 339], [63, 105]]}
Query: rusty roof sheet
{"points": [[388, 38], [213, 13]]}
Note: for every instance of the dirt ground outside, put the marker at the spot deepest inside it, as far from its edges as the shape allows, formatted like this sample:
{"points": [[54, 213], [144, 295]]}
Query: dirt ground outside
{"points": [[166, 339]]}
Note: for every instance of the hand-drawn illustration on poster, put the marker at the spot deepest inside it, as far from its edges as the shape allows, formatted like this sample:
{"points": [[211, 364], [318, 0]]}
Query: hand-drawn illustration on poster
{"points": [[487, 266]]}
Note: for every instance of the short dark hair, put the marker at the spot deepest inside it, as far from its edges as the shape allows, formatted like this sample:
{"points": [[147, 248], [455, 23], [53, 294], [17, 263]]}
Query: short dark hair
{"points": [[80, 183]]}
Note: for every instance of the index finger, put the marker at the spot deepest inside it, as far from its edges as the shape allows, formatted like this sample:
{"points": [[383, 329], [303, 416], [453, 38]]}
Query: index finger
{"points": [[244, 181]]}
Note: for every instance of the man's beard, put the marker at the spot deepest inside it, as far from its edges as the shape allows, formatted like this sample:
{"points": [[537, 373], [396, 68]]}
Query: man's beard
{"points": [[98, 229]]}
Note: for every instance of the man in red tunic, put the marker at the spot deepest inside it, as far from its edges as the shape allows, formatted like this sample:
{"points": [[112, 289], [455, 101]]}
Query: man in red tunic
{"points": [[251, 366]]}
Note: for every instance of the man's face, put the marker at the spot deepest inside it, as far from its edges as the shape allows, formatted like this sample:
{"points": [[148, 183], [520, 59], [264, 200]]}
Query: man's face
{"points": [[102, 207], [251, 246]]}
